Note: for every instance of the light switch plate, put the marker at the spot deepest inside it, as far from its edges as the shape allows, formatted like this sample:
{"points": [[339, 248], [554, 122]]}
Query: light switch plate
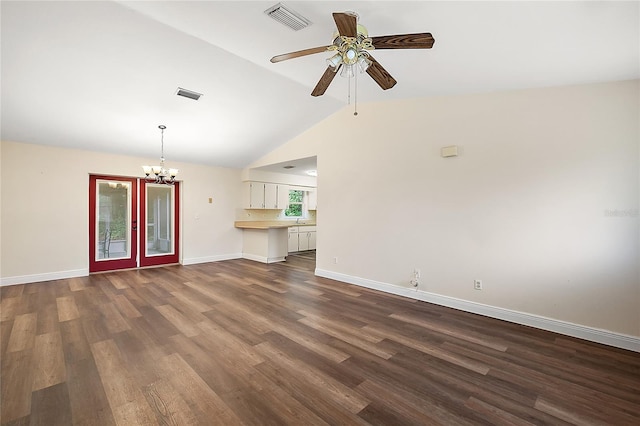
{"points": [[449, 151]]}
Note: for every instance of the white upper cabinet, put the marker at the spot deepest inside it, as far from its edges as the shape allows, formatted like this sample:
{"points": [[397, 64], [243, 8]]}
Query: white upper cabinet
{"points": [[260, 195], [270, 196], [312, 200], [253, 197], [276, 196], [283, 196], [257, 195]]}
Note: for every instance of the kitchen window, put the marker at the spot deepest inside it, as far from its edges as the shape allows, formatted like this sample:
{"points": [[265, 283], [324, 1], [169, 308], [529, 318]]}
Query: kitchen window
{"points": [[295, 203]]}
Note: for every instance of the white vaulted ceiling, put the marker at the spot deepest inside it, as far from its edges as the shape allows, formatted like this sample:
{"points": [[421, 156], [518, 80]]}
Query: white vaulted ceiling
{"points": [[103, 75]]}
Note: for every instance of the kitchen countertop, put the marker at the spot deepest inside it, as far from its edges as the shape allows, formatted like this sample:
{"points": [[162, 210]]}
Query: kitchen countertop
{"points": [[269, 224]]}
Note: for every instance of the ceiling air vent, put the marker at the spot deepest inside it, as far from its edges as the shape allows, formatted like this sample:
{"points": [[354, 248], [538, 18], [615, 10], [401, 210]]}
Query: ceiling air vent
{"points": [[288, 17], [188, 94]]}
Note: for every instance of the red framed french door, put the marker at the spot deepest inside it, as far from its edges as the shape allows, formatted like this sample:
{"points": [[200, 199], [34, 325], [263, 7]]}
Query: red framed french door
{"points": [[132, 223], [113, 219], [159, 235]]}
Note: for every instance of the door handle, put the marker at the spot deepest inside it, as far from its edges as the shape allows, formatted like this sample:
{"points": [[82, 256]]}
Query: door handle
{"points": [[134, 225]]}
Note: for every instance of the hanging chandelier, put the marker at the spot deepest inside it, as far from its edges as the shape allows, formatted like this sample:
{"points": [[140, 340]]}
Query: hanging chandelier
{"points": [[162, 175]]}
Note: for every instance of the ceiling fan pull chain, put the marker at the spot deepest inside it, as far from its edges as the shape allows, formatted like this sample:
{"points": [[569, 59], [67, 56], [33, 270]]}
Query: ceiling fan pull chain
{"points": [[355, 94], [349, 91]]}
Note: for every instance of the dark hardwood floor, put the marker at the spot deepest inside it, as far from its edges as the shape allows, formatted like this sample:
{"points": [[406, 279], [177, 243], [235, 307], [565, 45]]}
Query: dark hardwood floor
{"points": [[240, 342]]}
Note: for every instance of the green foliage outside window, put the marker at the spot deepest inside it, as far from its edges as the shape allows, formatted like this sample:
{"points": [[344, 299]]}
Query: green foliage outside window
{"points": [[295, 196], [113, 213], [295, 204]]}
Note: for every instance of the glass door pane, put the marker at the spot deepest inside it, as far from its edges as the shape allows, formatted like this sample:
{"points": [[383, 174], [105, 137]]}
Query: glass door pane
{"points": [[160, 209], [113, 218], [159, 220], [112, 223]]}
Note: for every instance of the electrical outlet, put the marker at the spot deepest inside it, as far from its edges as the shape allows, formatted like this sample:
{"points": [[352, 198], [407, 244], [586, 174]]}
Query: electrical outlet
{"points": [[415, 282], [477, 284], [335, 260]]}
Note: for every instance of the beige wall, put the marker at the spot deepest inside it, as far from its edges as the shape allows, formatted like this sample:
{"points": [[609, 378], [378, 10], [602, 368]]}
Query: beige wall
{"points": [[541, 204], [44, 209]]}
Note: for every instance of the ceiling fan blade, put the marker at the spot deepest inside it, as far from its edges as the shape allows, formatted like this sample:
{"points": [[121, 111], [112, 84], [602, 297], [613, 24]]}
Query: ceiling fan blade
{"points": [[299, 53], [347, 24], [325, 81], [380, 75], [404, 41]]}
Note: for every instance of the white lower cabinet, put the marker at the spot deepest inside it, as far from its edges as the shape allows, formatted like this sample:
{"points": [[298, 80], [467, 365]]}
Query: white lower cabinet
{"points": [[302, 238], [293, 239], [303, 241], [312, 240], [264, 245]]}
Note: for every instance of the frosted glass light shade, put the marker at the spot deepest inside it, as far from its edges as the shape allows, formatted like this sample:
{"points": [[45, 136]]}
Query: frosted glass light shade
{"points": [[347, 71], [364, 63], [350, 56], [334, 61]]}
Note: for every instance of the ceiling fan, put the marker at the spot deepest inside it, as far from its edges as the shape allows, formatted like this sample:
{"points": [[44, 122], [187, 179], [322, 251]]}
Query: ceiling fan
{"points": [[351, 44]]}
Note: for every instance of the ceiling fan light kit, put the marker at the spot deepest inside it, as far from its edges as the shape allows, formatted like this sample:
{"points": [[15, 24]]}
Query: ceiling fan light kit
{"points": [[351, 45]]}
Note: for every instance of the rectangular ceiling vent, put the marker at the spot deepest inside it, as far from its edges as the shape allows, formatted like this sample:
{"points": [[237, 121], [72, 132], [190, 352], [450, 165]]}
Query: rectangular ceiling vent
{"points": [[188, 94], [288, 17]]}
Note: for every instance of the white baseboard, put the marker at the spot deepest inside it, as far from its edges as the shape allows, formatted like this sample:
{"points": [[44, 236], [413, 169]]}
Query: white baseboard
{"points": [[25, 279], [206, 259], [618, 340], [262, 259]]}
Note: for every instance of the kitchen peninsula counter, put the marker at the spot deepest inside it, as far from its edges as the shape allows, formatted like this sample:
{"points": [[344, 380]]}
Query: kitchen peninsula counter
{"points": [[270, 224], [266, 241]]}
